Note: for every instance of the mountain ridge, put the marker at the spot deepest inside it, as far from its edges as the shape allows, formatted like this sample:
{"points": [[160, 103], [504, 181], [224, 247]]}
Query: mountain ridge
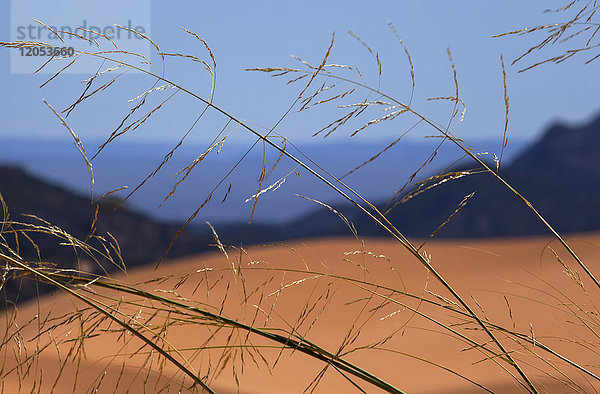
{"points": [[558, 174], [141, 239]]}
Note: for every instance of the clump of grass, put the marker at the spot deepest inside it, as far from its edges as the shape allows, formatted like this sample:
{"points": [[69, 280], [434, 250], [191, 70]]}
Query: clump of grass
{"points": [[576, 29], [250, 312]]}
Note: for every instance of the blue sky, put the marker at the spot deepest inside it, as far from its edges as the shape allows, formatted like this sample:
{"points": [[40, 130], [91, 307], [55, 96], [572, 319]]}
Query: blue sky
{"points": [[251, 34]]}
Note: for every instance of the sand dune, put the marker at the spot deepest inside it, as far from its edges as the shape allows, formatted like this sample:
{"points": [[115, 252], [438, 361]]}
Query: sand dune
{"points": [[518, 284]]}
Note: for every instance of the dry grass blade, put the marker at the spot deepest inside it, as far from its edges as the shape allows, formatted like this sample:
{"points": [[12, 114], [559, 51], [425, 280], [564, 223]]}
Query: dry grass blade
{"points": [[56, 74], [51, 30], [78, 144], [210, 52], [307, 101], [190, 167], [506, 111], [192, 57], [376, 156], [147, 92], [114, 134], [409, 58], [374, 54], [580, 24], [327, 100], [436, 180], [84, 95], [349, 224], [333, 126], [23, 44], [389, 116], [276, 185], [320, 67], [460, 207], [137, 33]]}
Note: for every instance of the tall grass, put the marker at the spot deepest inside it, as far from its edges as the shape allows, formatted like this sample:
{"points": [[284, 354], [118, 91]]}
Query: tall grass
{"points": [[249, 313]]}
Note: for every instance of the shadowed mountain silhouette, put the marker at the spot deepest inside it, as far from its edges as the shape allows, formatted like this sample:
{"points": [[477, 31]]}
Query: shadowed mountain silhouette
{"points": [[559, 175], [141, 239]]}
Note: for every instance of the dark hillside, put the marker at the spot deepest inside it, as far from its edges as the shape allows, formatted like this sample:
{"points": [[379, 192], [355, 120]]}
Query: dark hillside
{"points": [[142, 240], [559, 174]]}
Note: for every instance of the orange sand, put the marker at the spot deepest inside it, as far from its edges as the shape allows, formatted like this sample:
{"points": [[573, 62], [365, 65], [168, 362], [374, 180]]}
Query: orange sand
{"points": [[516, 282]]}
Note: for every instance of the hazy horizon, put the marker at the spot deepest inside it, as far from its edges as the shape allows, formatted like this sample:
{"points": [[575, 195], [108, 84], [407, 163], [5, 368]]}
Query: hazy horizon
{"points": [[124, 165]]}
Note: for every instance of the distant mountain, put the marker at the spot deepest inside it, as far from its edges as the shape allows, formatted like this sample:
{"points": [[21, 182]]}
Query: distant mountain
{"points": [[559, 175], [127, 163]]}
